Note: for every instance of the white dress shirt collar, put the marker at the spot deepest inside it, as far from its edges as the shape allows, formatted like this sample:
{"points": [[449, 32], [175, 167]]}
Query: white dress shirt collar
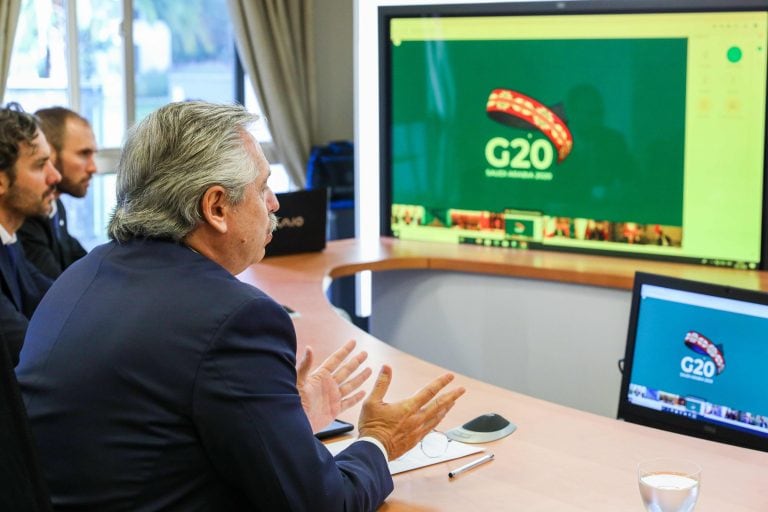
{"points": [[54, 209], [6, 237]]}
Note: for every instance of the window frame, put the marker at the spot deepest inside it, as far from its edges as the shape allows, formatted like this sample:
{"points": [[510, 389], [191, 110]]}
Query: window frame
{"points": [[108, 156]]}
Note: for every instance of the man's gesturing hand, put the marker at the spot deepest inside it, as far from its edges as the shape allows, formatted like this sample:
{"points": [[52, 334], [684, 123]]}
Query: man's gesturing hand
{"points": [[328, 390], [400, 425]]}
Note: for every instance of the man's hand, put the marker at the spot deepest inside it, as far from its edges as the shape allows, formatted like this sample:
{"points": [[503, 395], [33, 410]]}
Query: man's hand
{"points": [[400, 425], [328, 390]]}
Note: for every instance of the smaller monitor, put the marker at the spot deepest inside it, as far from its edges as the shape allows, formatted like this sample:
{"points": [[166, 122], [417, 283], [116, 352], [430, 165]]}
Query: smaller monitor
{"points": [[695, 360]]}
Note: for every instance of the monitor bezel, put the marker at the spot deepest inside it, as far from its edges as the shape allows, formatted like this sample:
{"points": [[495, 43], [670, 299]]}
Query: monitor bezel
{"points": [[633, 413], [535, 8]]}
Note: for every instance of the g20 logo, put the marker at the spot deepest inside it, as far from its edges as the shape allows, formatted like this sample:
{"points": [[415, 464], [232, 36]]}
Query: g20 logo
{"points": [[519, 153], [697, 366], [514, 109], [711, 362]]}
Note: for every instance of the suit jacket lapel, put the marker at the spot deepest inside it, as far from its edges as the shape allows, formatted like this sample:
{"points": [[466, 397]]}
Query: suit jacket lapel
{"points": [[10, 276], [57, 226]]}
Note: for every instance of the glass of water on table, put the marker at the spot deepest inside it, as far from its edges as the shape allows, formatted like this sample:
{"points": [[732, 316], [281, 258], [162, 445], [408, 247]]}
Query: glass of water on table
{"points": [[669, 485]]}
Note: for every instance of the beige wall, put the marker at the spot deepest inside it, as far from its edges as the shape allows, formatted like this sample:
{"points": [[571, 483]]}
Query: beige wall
{"points": [[557, 341], [333, 45]]}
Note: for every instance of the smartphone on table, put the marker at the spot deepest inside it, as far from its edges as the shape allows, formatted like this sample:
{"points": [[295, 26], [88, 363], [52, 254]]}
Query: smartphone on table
{"points": [[335, 428]]}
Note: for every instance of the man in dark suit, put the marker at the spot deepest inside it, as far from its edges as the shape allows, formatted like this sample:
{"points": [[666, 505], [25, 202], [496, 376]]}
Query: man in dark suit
{"points": [[46, 239], [156, 380], [27, 188]]}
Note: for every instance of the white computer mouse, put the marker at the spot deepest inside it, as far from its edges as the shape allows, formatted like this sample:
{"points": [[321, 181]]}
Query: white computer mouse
{"points": [[483, 429]]}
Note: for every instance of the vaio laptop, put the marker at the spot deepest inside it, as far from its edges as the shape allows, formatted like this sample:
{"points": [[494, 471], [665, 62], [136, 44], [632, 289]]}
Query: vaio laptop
{"points": [[302, 222]]}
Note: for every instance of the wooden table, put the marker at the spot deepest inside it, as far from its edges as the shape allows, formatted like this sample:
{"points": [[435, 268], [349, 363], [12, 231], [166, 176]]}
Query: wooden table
{"points": [[559, 459]]}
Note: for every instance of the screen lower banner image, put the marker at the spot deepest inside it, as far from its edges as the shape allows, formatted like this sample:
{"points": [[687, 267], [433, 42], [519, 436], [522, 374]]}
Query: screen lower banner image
{"points": [[638, 134]]}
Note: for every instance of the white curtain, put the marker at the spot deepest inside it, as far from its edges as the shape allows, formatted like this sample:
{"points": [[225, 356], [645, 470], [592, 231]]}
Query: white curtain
{"points": [[9, 17], [275, 42]]}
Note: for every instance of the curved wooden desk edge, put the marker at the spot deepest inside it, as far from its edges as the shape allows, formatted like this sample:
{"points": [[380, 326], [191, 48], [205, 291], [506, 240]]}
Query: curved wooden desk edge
{"points": [[559, 459], [593, 270]]}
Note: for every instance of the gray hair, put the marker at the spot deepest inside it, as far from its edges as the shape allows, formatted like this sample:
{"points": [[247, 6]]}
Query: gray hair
{"points": [[168, 162]]}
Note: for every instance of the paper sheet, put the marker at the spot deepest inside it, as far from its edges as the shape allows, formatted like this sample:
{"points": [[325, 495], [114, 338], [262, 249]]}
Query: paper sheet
{"points": [[415, 458]]}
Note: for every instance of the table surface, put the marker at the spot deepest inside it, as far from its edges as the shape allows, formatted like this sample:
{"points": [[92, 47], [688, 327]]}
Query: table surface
{"points": [[559, 459]]}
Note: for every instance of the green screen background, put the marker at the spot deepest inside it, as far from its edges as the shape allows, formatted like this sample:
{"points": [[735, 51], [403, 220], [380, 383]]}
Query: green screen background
{"points": [[623, 100]]}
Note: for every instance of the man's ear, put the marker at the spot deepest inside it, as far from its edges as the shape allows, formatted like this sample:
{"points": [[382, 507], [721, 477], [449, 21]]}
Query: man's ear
{"points": [[216, 208]]}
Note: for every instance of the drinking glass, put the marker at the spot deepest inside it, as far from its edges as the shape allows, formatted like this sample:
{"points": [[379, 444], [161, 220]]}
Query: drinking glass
{"points": [[669, 485]]}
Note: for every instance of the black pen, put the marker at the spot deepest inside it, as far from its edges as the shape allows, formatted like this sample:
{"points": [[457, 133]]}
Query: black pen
{"points": [[470, 465]]}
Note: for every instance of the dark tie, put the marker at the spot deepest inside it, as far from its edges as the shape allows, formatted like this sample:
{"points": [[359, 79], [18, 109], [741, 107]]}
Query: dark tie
{"points": [[56, 224], [11, 255]]}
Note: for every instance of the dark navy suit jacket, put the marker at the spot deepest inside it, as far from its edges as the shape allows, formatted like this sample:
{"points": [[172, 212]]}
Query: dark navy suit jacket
{"points": [[51, 252], [15, 311], [155, 380]]}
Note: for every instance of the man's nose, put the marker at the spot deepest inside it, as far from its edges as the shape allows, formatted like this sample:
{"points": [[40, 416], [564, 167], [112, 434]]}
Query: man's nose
{"points": [[272, 203], [90, 167], [52, 176]]}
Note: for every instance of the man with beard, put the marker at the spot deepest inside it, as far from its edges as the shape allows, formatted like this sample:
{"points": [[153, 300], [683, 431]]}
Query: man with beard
{"points": [[27, 188], [46, 240]]}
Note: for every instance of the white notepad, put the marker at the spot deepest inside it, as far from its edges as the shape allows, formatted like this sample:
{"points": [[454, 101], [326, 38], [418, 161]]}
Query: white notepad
{"points": [[415, 458]]}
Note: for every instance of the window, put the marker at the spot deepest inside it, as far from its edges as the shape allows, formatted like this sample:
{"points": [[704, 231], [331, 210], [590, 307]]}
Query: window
{"points": [[38, 76], [72, 53], [98, 85], [182, 51]]}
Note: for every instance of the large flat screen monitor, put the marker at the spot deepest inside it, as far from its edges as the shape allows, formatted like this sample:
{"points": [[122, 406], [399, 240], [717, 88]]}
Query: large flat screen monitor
{"points": [[695, 360], [633, 128]]}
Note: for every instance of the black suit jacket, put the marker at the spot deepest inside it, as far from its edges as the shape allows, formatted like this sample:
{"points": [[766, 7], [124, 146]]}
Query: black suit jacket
{"points": [[22, 487], [155, 380], [51, 254], [15, 314]]}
